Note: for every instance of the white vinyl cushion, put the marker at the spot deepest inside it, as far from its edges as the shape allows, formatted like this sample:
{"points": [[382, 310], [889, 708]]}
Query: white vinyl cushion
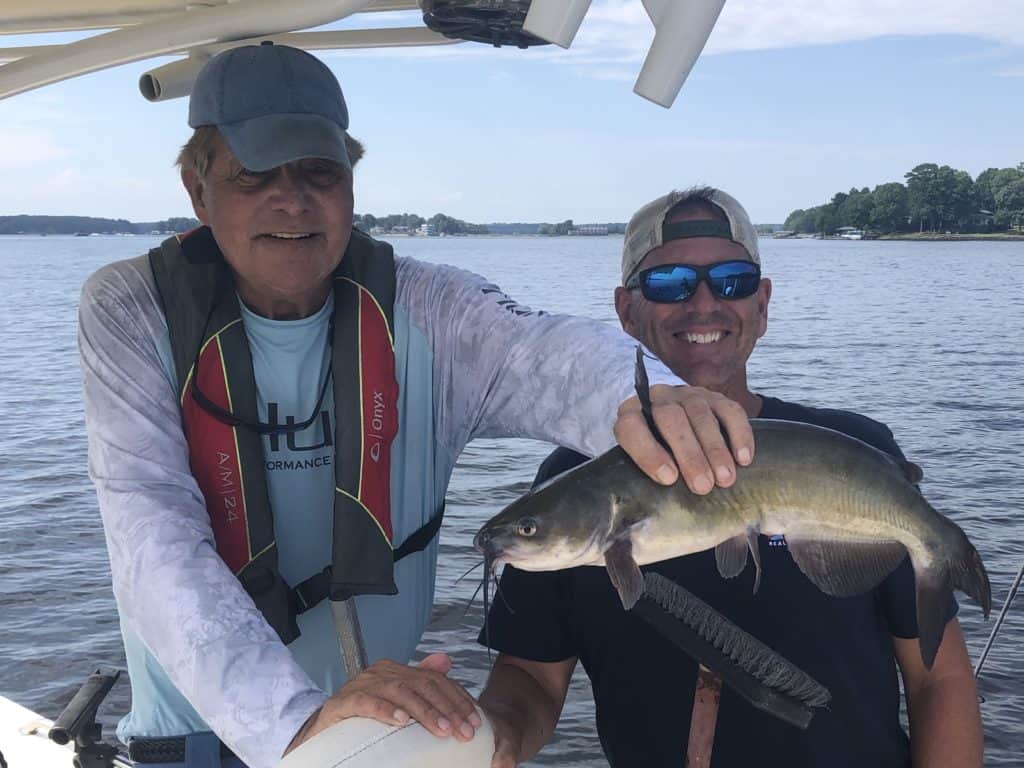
{"points": [[359, 742]]}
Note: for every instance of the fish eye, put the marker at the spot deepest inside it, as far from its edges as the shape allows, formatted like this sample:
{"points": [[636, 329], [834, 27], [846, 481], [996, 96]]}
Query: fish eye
{"points": [[527, 526]]}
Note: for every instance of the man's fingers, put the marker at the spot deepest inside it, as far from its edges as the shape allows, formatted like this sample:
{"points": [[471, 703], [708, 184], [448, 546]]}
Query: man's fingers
{"points": [[735, 422], [393, 693], [707, 431], [680, 427], [364, 704], [692, 422], [442, 664], [440, 704], [504, 754], [437, 662], [632, 434]]}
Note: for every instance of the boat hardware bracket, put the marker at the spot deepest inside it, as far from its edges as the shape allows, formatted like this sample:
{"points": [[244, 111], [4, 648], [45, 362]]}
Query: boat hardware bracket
{"points": [[78, 722]]}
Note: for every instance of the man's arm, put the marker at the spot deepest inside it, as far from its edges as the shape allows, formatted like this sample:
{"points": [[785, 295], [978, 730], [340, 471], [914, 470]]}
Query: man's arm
{"points": [[523, 700], [503, 370], [945, 723], [173, 590]]}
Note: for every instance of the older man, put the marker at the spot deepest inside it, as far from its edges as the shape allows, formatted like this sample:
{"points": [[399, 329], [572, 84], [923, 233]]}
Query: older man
{"points": [[275, 404], [692, 292]]}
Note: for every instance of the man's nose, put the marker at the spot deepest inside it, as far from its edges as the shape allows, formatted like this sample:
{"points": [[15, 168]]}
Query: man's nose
{"points": [[703, 296], [290, 191]]}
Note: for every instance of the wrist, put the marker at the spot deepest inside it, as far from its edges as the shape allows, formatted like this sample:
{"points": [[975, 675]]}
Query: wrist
{"points": [[303, 732]]}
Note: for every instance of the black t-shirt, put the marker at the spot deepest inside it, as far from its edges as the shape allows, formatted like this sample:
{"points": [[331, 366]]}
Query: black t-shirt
{"points": [[643, 685]]}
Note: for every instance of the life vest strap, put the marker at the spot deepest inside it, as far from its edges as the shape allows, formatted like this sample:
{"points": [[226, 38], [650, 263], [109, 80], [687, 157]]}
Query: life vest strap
{"points": [[316, 588]]}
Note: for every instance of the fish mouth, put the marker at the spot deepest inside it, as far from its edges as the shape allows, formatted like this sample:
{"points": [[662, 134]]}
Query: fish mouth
{"points": [[484, 543]]}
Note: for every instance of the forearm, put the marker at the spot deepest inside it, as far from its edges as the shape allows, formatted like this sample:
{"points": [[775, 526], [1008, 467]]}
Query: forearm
{"points": [[942, 703], [945, 725], [502, 370], [526, 714]]}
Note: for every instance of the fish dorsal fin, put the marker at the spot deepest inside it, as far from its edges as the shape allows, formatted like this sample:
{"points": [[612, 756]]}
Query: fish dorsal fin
{"points": [[845, 567], [912, 471], [624, 572], [643, 393], [731, 556]]}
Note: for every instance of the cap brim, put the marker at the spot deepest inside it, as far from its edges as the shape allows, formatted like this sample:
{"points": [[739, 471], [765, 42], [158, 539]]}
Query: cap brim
{"points": [[266, 142]]}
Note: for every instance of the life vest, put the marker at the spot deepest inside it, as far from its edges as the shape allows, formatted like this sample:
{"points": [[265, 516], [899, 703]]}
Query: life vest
{"points": [[196, 288]]}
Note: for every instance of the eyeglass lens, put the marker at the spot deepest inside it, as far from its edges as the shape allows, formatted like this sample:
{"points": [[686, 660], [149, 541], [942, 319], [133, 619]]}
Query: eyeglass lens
{"points": [[678, 282]]}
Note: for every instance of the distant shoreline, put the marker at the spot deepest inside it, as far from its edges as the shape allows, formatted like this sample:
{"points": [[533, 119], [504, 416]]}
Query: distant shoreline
{"points": [[915, 237], [936, 237]]}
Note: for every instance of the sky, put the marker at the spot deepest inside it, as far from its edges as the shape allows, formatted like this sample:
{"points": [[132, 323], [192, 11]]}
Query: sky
{"points": [[792, 101]]}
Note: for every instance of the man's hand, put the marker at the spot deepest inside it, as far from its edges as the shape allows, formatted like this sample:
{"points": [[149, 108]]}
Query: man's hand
{"points": [[523, 700], [393, 693], [507, 743], [691, 419]]}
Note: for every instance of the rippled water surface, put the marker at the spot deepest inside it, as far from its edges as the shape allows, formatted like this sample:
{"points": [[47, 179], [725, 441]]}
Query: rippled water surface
{"points": [[928, 338]]}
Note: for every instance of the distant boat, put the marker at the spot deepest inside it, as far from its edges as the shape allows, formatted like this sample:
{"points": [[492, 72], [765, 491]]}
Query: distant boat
{"points": [[783, 234], [850, 233]]}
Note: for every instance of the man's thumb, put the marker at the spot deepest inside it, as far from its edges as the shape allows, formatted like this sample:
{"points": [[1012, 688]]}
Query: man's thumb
{"points": [[437, 662]]}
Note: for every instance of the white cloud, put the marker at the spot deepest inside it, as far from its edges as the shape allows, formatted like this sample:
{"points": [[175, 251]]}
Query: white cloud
{"points": [[616, 34], [622, 25], [22, 147]]}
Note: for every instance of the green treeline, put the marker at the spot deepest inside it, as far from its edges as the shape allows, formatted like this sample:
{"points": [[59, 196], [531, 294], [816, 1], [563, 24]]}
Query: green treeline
{"points": [[87, 225], [443, 225], [934, 199]]}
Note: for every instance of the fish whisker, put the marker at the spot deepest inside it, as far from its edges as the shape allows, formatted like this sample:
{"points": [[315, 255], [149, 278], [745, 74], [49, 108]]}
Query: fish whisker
{"points": [[488, 572], [469, 571]]}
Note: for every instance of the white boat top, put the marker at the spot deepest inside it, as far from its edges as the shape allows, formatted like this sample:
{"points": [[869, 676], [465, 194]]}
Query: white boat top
{"points": [[194, 30], [24, 740]]}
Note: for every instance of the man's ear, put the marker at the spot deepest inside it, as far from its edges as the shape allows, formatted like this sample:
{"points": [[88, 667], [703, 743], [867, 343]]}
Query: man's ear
{"points": [[195, 187], [626, 310]]}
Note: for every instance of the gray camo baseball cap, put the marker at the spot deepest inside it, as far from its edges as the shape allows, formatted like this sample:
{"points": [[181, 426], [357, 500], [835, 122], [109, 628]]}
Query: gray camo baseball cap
{"points": [[647, 229], [273, 104]]}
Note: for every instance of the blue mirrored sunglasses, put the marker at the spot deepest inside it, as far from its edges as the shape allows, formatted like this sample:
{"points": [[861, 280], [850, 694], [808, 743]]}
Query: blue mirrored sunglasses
{"points": [[668, 283]]}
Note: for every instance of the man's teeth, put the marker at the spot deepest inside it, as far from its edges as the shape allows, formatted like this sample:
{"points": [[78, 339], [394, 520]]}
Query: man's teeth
{"points": [[704, 338], [290, 235]]}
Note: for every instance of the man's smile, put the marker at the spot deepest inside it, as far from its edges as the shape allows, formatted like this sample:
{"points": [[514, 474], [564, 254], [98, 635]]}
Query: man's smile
{"points": [[289, 235], [708, 337]]}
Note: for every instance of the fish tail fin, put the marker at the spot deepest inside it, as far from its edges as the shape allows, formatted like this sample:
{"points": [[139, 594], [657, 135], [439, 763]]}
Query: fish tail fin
{"points": [[933, 590], [966, 573]]}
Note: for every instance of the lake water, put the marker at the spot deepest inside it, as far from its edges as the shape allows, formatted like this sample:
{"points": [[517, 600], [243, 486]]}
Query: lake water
{"points": [[927, 337]]}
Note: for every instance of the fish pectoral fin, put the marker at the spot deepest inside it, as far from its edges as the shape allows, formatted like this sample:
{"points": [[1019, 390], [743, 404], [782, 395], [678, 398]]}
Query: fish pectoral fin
{"points": [[754, 545], [731, 555], [845, 567], [624, 572]]}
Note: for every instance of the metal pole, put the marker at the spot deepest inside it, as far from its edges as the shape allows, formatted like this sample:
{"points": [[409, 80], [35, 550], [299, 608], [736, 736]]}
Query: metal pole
{"points": [[350, 637], [704, 718], [999, 622]]}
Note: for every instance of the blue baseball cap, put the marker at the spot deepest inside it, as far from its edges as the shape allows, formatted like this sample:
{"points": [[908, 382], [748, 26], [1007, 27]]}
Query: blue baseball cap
{"points": [[273, 104]]}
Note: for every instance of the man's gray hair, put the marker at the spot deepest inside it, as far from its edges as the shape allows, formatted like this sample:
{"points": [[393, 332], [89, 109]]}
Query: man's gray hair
{"points": [[197, 153]]}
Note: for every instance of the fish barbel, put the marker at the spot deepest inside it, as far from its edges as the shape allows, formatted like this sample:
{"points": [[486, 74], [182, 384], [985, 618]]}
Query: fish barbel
{"points": [[847, 511]]}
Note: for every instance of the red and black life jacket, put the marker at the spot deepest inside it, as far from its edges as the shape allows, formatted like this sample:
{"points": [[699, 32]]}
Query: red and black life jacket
{"points": [[196, 288]]}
